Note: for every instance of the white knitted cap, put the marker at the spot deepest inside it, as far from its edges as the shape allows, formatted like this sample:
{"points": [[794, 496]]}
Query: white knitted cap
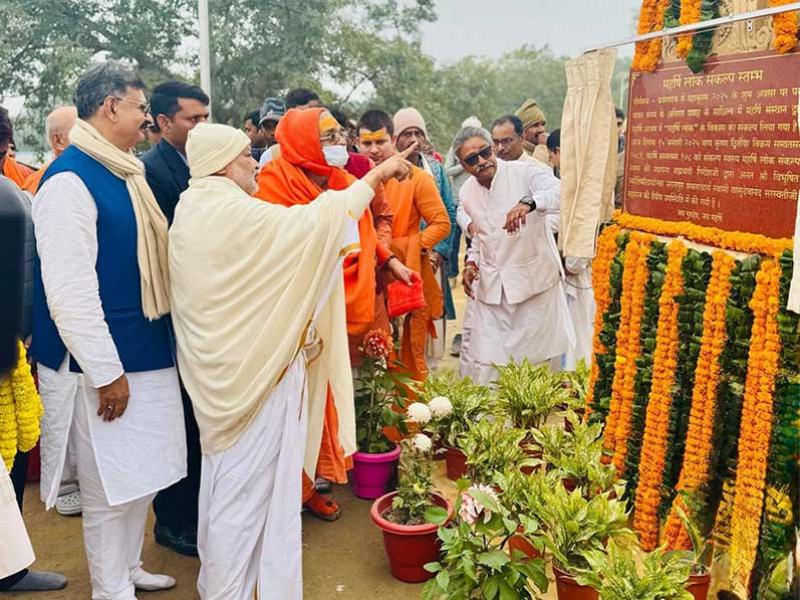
{"points": [[211, 147]]}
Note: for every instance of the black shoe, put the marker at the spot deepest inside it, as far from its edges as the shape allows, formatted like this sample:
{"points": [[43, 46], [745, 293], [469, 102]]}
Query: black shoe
{"points": [[181, 542], [455, 349]]}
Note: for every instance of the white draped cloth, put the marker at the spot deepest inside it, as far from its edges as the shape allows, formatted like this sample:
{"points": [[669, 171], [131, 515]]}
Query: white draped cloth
{"points": [[16, 551]]}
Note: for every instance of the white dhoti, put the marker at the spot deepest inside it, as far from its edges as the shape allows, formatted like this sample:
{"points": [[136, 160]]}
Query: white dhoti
{"points": [[467, 365], [16, 552], [580, 302], [249, 533], [538, 329]]}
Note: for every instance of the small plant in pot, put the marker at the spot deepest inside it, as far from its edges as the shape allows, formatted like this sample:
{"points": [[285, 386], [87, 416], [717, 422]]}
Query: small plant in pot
{"points": [[491, 448], [476, 562], [527, 394], [616, 573], [702, 550], [379, 403], [575, 525], [468, 403], [520, 497], [411, 516]]}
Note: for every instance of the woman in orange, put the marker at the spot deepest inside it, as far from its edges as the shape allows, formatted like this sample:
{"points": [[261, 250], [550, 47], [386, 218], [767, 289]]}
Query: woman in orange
{"points": [[311, 161]]}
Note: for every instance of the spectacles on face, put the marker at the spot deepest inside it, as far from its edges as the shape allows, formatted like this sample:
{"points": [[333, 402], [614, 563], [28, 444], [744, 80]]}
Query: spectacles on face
{"points": [[332, 137], [144, 108], [484, 153], [505, 142]]}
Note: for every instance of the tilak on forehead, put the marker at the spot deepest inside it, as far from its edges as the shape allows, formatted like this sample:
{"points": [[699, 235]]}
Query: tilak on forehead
{"points": [[327, 123], [373, 136]]}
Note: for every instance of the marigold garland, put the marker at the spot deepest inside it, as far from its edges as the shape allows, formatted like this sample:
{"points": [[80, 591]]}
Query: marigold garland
{"points": [[601, 274], [784, 28], [651, 18], [665, 357], [738, 241], [756, 427], [634, 279], [20, 411], [695, 469], [690, 13]]}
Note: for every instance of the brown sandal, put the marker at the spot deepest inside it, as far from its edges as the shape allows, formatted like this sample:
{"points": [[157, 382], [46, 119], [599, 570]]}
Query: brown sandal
{"points": [[323, 507]]}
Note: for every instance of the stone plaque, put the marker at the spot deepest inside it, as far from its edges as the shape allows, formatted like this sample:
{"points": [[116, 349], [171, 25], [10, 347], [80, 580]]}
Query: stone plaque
{"points": [[720, 148]]}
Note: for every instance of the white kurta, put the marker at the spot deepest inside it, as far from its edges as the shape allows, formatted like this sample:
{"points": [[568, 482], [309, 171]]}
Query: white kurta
{"points": [[515, 316], [144, 450]]}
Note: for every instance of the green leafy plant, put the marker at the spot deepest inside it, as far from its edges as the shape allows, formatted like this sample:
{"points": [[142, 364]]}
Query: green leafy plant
{"points": [[379, 395], [576, 384], [413, 503], [475, 561], [491, 448], [618, 574], [702, 546], [528, 394], [469, 402]]}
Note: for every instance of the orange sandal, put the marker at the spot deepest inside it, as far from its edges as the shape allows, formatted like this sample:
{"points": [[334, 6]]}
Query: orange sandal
{"points": [[323, 508]]}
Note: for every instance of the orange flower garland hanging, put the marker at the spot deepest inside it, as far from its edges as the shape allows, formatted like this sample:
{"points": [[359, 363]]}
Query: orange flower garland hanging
{"points": [[690, 13], [695, 469], [601, 274], [784, 28], [752, 243], [634, 280], [665, 357], [756, 429], [651, 18]]}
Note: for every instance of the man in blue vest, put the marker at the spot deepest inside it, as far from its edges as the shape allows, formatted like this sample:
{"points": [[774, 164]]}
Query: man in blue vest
{"points": [[103, 346], [176, 107]]}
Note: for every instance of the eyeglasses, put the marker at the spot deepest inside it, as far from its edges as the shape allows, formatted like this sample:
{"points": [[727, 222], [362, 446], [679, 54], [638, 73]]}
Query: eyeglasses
{"points": [[145, 108], [333, 136], [485, 154], [505, 142]]}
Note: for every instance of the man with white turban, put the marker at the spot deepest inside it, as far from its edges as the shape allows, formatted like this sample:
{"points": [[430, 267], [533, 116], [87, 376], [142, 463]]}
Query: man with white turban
{"points": [[259, 314]]}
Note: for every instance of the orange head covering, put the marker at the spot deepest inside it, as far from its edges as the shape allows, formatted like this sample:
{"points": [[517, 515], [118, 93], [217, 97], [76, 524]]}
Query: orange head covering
{"points": [[16, 172], [284, 181]]}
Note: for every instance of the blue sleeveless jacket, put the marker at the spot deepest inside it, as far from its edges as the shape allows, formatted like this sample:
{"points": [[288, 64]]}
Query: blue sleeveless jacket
{"points": [[142, 345]]}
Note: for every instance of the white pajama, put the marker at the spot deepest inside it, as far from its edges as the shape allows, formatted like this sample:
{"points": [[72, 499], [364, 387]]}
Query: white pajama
{"points": [[249, 533], [580, 301]]}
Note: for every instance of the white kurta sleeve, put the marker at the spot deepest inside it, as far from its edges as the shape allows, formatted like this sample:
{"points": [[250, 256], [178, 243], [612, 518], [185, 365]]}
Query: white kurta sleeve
{"points": [[358, 197], [545, 189], [64, 218], [462, 218]]}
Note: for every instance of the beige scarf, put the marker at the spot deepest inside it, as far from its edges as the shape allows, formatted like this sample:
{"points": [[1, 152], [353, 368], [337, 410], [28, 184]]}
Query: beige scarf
{"points": [[151, 224]]}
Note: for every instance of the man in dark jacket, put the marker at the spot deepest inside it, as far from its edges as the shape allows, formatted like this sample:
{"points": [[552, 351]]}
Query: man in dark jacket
{"points": [[176, 107]]}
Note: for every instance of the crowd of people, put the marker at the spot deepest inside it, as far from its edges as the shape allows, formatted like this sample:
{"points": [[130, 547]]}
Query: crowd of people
{"points": [[196, 313]]}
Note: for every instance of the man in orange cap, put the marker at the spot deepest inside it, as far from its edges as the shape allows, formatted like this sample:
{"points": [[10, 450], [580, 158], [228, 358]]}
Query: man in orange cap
{"points": [[412, 200], [312, 159]]}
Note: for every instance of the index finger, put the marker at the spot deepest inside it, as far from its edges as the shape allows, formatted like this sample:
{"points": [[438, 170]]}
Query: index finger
{"points": [[405, 153]]}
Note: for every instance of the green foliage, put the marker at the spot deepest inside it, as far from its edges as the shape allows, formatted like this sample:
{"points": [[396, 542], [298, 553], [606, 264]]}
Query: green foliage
{"points": [[702, 546], [528, 394], [577, 385], [702, 40], [377, 391], [618, 574], [475, 563], [412, 504], [491, 448]]}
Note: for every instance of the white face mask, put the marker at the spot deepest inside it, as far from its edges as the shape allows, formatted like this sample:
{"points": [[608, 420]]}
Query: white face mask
{"points": [[336, 156]]}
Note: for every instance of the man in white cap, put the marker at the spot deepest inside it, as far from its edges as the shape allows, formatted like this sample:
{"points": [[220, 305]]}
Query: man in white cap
{"points": [[259, 314]]}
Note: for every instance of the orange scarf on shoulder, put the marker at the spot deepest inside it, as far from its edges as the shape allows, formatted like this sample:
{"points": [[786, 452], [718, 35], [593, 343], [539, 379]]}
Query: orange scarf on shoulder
{"points": [[284, 181], [15, 171]]}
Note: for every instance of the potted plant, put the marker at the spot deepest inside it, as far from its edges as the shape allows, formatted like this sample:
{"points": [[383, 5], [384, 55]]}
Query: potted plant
{"points": [[379, 404], [576, 384], [468, 402], [491, 448], [616, 573], [410, 516], [476, 562], [575, 525], [702, 549], [521, 497], [527, 394]]}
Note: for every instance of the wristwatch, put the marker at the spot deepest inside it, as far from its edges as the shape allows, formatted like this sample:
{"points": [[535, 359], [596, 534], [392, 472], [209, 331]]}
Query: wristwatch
{"points": [[529, 202]]}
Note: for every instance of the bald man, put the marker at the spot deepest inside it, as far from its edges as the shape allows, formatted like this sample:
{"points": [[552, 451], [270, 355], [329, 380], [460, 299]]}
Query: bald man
{"points": [[56, 127]]}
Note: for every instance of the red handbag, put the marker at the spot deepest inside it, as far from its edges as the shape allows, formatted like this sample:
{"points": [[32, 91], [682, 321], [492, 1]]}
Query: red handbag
{"points": [[404, 298]]}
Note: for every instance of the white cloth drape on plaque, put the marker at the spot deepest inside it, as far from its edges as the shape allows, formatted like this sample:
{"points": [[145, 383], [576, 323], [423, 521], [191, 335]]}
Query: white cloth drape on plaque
{"points": [[588, 152]]}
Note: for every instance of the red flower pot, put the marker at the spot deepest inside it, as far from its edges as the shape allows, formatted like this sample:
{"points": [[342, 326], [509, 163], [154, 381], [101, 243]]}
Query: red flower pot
{"points": [[408, 547], [521, 543], [698, 586], [569, 589], [456, 462], [531, 451], [371, 473]]}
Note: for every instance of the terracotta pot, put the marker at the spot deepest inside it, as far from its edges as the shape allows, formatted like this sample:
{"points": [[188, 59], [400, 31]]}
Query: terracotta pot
{"points": [[569, 589], [456, 464], [521, 543], [372, 473], [698, 586], [569, 484], [408, 547]]}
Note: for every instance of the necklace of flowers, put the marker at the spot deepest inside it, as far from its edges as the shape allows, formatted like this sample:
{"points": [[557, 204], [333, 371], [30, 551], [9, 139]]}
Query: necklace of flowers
{"points": [[20, 410], [784, 28], [651, 18]]}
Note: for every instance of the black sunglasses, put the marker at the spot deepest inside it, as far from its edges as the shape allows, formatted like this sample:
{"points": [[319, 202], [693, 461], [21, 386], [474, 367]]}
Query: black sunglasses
{"points": [[485, 154]]}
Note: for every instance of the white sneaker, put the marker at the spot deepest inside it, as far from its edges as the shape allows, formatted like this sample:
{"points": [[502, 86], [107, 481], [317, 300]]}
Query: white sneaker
{"points": [[69, 505], [149, 582]]}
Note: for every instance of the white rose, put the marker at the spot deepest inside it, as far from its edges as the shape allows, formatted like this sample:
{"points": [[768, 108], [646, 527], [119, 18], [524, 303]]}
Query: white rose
{"points": [[440, 406], [417, 412], [422, 442]]}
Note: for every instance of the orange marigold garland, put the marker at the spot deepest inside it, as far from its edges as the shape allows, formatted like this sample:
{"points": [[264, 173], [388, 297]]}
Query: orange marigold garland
{"points": [[751, 243], [695, 469], [634, 279], [601, 273], [756, 427], [784, 28], [665, 356], [651, 18], [690, 13]]}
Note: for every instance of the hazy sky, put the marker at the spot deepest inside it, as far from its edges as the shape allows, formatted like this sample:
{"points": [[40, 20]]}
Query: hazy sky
{"points": [[492, 27]]}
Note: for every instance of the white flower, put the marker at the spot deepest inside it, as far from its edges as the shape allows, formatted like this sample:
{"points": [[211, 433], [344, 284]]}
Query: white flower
{"points": [[422, 442], [471, 509], [440, 406], [417, 412]]}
